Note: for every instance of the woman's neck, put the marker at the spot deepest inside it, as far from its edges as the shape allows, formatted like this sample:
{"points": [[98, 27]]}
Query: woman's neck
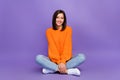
{"points": [[59, 27]]}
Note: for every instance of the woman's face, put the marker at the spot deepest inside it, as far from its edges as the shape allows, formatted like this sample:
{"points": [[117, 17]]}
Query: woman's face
{"points": [[59, 19]]}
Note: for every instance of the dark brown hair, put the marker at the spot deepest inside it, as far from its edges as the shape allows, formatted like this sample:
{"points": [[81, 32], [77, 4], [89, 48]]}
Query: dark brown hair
{"points": [[54, 19]]}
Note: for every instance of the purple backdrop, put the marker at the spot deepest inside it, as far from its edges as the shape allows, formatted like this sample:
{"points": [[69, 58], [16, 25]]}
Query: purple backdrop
{"points": [[96, 29]]}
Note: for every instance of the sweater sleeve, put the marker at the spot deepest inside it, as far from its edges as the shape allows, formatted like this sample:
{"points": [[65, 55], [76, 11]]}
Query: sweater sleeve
{"points": [[67, 51], [53, 53]]}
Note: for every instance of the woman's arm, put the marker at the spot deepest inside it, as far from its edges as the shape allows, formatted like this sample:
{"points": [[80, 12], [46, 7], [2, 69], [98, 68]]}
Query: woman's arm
{"points": [[52, 49], [67, 51]]}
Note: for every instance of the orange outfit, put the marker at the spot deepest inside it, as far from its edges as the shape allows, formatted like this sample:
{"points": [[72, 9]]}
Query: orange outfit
{"points": [[59, 44]]}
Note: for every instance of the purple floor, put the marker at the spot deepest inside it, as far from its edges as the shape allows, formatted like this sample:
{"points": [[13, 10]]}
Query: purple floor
{"points": [[20, 67]]}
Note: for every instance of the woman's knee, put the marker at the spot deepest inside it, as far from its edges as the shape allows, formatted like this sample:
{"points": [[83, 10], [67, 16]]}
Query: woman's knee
{"points": [[81, 57], [39, 58]]}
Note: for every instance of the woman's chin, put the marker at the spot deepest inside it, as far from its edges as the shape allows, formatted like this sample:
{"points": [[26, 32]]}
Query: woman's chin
{"points": [[59, 24]]}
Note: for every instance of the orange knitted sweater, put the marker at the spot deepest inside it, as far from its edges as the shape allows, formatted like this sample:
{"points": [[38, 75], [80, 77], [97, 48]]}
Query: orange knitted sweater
{"points": [[59, 44]]}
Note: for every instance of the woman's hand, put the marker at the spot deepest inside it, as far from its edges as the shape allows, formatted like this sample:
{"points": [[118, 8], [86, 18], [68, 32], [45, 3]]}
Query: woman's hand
{"points": [[62, 68]]}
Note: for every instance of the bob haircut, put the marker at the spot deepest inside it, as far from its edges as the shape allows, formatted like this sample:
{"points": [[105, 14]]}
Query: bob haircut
{"points": [[54, 20]]}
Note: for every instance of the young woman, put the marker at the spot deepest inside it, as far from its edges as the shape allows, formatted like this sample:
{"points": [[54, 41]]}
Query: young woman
{"points": [[59, 38]]}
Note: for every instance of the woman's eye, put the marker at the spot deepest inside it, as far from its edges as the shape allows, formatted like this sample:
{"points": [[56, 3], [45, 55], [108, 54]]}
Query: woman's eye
{"points": [[62, 18]]}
